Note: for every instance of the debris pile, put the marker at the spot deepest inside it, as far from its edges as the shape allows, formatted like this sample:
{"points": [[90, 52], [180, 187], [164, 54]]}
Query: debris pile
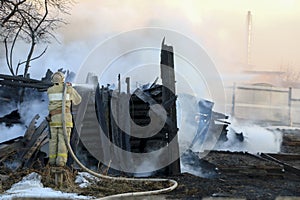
{"points": [[25, 151], [290, 141], [212, 128], [239, 175], [11, 118], [148, 124], [22, 82]]}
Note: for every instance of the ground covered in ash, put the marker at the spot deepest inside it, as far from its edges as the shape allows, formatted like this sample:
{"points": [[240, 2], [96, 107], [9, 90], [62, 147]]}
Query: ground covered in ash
{"points": [[98, 188], [238, 185]]}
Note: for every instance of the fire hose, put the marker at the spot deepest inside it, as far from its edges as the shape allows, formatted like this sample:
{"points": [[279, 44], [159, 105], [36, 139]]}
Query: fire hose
{"points": [[129, 194]]}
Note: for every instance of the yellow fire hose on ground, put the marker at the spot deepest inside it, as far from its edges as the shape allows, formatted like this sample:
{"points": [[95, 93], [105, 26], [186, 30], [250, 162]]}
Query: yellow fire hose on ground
{"points": [[130, 194]]}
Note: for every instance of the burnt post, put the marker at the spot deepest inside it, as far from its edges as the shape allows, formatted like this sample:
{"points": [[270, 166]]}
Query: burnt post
{"points": [[169, 103], [233, 99], [290, 121], [128, 84]]}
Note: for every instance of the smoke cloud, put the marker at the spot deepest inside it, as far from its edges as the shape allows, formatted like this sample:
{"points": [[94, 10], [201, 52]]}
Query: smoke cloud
{"points": [[220, 27], [256, 139], [34, 103]]}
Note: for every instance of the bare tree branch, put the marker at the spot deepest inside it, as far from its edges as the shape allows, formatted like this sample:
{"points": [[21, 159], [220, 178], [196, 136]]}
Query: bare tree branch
{"points": [[31, 21], [37, 57], [7, 58], [13, 45], [44, 17], [13, 11]]}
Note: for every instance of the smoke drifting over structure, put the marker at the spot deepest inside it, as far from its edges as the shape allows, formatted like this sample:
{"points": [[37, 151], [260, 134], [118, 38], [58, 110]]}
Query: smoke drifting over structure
{"points": [[257, 139], [220, 27], [34, 103]]}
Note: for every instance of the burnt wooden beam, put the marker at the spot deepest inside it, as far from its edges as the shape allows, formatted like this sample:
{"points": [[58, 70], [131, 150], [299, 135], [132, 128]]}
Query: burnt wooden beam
{"points": [[27, 159], [18, 81], [33, 139], [31, 129], [40, 86], [18, 78], [169, 98], [8, 149], [286, 166], [11, 118], [9, 122]]}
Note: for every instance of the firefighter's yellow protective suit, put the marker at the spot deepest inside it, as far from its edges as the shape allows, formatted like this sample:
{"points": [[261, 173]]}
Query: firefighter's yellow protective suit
{"points": [[58, 153]]}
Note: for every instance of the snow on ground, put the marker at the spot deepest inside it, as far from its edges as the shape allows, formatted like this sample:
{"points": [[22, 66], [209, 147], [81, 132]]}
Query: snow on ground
{"points": [[85, 179], [30, 186]]}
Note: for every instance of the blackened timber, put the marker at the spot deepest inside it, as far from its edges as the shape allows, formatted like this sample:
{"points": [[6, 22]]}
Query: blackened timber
{"points": [[112, 115], [82, 108], [17, 81], [287, 167], [39, 86], [26, 149], [8, 149], [31, 128], [89, 133], [18, 78], [30, 144], [12, 118], [29, 156], [167, 67], [144, 97], [148, 99], [168, 92], [139, 107], [75, 136]]}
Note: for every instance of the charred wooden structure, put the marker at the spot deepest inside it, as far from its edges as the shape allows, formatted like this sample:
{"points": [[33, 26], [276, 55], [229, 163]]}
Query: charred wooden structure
{"points": [[290, 141], [119, 122], [22, 82], [212, 126], [25, 151]]}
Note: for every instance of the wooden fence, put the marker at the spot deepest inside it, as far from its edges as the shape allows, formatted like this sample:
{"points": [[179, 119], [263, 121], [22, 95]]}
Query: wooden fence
{"points": [[264, 104]]}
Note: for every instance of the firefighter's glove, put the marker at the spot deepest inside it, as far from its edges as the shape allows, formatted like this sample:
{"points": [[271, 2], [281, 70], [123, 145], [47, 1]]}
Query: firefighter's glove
{"points": [[48, 118]]}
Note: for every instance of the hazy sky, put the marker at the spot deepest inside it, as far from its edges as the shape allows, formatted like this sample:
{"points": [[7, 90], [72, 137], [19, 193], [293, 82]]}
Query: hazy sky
{"points": [[218, 26]]}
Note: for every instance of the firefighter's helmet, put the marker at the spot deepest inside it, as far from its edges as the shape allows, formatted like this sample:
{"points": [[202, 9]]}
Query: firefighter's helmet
{"points": [[58, 77]]}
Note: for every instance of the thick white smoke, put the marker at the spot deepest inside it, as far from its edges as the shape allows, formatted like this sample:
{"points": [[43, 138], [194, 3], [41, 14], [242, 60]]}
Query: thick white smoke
{"points": [[8, 133], [220, 27], [256, 138], [31, 106]]}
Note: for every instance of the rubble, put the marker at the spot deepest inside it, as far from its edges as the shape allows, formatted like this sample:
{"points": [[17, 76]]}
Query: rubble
{"points": [[290, 141], [220, 173], [11, 118], [112, 112], [26, 150], [22, 82]]}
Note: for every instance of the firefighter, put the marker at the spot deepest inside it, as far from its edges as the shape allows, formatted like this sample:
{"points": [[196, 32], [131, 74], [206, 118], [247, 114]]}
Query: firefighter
{"points": [[58, 153]]}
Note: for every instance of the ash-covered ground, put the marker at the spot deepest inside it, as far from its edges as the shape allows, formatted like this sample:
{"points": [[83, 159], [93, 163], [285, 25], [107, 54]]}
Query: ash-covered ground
{"points": [[217, 174], [238, 178]]}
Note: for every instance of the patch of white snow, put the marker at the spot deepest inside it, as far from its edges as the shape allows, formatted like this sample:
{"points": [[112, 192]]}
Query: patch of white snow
{"points": [[84, 179], [31, 187]]}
